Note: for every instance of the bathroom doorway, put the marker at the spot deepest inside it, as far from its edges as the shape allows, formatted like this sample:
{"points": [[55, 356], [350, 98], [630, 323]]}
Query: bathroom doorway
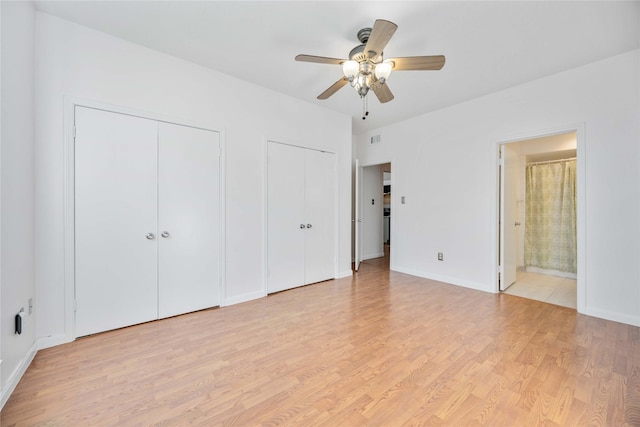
{"points": [[538, 219]]}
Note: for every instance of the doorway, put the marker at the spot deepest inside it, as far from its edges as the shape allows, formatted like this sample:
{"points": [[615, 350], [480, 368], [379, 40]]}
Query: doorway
{"points": [[373, 213], [537, 221]]}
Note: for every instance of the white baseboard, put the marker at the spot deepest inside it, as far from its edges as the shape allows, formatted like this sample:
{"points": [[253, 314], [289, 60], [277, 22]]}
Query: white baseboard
{"points": [[343, 274], [17, 374], [53, 340], [243, 298], [446, 279], [557, 273], [615, 317], [372, 256]]}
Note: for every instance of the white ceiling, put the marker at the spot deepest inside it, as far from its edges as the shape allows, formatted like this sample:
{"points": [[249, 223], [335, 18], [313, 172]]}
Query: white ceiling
{"points": [[489, 46]]}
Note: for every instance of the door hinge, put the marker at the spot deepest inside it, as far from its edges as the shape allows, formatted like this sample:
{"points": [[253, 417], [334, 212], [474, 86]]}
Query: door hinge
{"points": [[75, 305], [74, 133]]}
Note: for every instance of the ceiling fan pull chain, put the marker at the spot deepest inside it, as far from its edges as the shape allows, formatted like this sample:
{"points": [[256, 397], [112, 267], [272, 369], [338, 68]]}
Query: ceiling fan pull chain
{"points": [[365, 107]]}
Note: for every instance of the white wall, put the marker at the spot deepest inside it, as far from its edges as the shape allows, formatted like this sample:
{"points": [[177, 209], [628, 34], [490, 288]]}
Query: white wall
{"points": [[445, 164], [372, 226], [79, 62], [17, 190]]}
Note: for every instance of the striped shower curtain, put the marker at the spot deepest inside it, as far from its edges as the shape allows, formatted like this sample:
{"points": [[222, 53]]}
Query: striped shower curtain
{"points": [[550, 216]]}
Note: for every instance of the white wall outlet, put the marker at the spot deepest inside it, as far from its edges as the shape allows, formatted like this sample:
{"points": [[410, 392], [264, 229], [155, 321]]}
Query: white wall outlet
{"points": [[440, 256]]}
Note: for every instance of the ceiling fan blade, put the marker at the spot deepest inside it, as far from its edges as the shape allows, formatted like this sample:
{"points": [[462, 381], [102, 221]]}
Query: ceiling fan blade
{"points": [[379, 37], [383, 92], [333, 88], [434, 62], [319, 59]]}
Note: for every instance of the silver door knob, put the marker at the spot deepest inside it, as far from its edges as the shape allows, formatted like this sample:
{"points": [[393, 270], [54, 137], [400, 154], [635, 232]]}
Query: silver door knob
{"points": [[151, 236], [308, 225], [301, 225], [165, 234]]}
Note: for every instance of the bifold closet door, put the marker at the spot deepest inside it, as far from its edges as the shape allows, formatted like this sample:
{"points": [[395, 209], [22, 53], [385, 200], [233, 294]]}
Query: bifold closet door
{"points": [[286, 223], [319, 210], [116, 213], [189, 218], [300, 216]]}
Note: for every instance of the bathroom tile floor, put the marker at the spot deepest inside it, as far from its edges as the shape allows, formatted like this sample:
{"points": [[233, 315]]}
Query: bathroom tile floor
{"points": [[541, 287]]}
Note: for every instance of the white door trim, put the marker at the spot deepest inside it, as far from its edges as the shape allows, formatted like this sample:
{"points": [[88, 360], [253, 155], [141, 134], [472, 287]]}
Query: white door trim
{"points": [[579, 129], [356, 216], [69, 200]]}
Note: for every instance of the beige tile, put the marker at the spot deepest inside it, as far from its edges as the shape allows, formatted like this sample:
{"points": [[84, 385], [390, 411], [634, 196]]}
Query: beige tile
{"points": [[540, 287]]}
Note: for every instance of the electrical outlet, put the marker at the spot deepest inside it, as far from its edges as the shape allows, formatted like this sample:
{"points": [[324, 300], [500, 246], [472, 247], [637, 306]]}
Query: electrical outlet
{"points": [[440, 256]]}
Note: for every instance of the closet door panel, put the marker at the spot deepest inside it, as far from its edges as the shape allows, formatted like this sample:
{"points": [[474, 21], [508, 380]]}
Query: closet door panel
{"points": [[319, 214], [189, 218], [115, 209], [285, 216]]}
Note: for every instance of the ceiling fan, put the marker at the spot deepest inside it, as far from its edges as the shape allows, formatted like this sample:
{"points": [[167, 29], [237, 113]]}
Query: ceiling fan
{"points": [[367, 69]]}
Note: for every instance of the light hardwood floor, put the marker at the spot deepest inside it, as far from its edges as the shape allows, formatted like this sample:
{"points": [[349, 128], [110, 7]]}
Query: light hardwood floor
{"points": [[381, 349]]}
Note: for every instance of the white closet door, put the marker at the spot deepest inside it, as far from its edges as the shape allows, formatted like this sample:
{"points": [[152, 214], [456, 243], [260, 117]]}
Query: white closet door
{"points": [[285, 217], [319, 213], [116, 220], [189, 218]]}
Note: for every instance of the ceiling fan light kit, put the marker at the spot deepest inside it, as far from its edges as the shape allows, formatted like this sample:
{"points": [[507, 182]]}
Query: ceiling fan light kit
{"points": [[366, 68]]}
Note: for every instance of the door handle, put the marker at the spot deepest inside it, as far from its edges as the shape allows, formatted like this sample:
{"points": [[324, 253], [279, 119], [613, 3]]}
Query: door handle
{"points": [[308, 225], [165, 234], [516, 224], [301, 225], [151, 236]]}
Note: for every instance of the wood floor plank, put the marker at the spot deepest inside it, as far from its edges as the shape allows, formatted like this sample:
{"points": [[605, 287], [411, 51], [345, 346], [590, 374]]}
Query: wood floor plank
{"points": [[380, 348]]}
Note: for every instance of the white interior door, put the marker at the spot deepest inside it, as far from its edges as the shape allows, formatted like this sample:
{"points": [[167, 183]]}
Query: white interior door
{"points": [[188, 219], [286, 223], [509, 217], [319, 216], [115, 220], [357, 220]]}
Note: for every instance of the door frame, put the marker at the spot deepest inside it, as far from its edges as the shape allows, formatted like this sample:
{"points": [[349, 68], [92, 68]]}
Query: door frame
{"points": [[579, 130], [70, 104], [265, 200], [358, 207]]}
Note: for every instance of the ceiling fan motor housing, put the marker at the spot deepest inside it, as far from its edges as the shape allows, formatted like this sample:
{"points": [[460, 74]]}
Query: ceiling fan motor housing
{"points": [[358, 54]]}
